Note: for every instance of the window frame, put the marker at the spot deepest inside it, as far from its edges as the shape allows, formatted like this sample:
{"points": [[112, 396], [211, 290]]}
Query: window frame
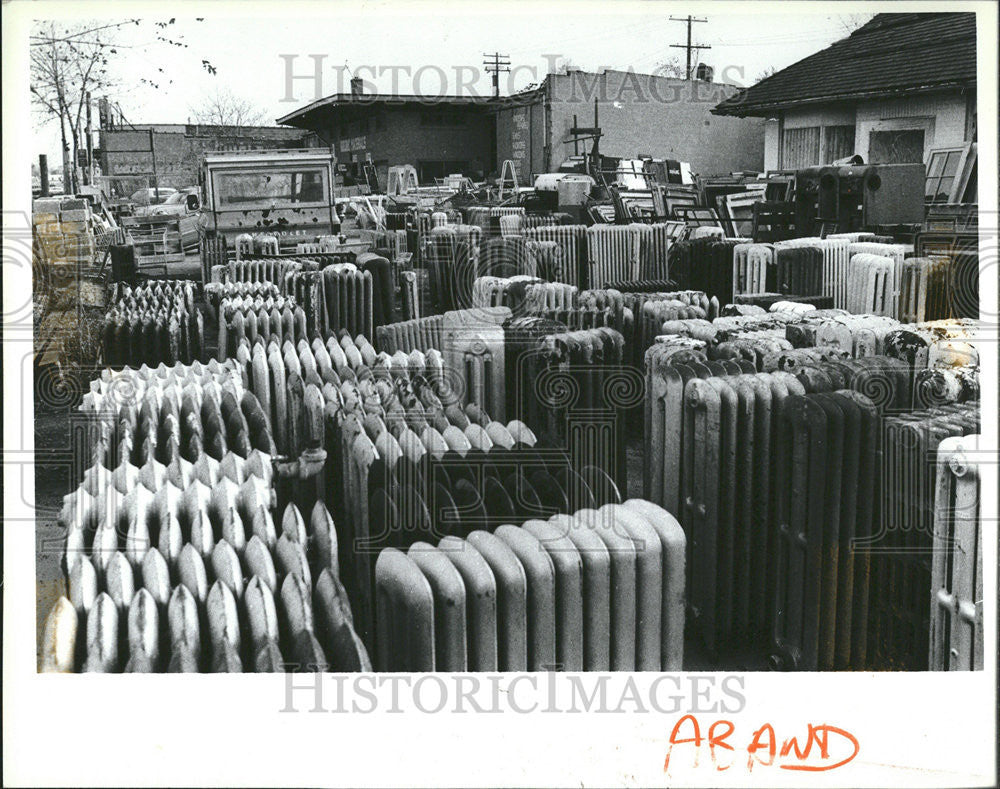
{"points": [[220, 175]]}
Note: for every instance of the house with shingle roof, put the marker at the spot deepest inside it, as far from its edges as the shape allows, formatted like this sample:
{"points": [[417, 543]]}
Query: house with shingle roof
{"points": [[892, 91]]}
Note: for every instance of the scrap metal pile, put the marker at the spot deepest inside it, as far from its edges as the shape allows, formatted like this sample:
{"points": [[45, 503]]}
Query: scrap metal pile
{"points": [[416, 458]]}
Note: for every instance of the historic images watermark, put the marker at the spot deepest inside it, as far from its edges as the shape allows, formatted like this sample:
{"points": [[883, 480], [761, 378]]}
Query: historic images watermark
{"points": [[311, 77], [517, 693]]}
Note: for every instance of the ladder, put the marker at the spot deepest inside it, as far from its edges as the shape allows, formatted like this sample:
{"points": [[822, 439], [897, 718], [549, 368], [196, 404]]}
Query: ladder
{"points": [[508, 167], [371, 175]]}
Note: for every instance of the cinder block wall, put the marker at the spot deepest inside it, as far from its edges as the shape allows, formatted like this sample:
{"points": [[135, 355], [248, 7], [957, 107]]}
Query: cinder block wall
{"points": [[657, 116]]}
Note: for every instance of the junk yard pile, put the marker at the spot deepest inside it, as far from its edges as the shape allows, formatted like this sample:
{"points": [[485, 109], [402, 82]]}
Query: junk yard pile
{"points": [[617, 415]]}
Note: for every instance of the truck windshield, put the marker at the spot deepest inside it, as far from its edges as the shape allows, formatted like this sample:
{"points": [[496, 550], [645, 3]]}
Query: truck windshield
{"points": [[270, 187]]}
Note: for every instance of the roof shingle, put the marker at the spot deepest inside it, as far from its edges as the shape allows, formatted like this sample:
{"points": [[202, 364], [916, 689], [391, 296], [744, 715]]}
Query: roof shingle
{"points": [[893, 54]]}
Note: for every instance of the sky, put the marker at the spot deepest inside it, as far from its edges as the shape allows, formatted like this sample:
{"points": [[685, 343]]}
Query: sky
{"points": [[429, 48]]}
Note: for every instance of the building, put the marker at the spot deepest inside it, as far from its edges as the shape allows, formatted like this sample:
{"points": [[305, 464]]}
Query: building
{"points": [[437, 135], [897, 88], [638, 115], [172, 152]]}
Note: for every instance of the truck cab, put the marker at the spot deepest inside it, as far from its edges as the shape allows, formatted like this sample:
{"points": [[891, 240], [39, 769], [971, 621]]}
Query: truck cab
{"points": [[285, 193]]}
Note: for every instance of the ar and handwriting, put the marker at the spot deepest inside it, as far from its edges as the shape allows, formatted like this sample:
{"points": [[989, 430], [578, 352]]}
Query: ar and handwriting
{"points": [[822, 747]]}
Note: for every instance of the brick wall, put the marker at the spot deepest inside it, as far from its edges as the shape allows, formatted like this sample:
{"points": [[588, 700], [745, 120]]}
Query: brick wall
{"points": [[179, 148], [642, 114], [401, 138]]}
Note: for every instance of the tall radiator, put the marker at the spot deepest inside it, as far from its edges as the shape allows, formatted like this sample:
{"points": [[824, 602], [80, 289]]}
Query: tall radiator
{"points": [[956, 637]]}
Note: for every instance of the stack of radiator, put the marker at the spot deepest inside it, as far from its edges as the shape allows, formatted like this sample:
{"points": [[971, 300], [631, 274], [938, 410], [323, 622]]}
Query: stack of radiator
{"points": [[153, 323], [451, 255], [571, 386], [175, 513], [571, 243], [902, 551], [705, 264], [613, 253], [775, 476], [595, 591], [265, 269], [257, 320]]}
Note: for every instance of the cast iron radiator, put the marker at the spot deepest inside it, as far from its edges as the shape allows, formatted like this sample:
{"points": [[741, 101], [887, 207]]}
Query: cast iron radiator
{"points": [[180, 492], [956, 638], [598, 590], [153, 323]]}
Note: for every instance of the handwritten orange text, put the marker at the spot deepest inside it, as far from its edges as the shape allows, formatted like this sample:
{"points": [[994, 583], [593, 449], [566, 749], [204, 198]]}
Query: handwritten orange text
{"points": [[822, 746]]}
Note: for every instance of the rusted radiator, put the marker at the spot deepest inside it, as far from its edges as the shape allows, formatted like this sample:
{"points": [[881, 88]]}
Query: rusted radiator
{"points": [[956, 637], [153, 323], [797, 270], [825, 462], [571, 241], [347, 301], [569, 384], [858, 335], [599, 590], [613, 253], [901, 548], [924, 290], [750, 266], [509, 292]]}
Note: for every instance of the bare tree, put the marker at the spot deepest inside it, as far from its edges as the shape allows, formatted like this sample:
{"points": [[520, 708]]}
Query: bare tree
{"points": [[224, 108], [765, 74], [69, 62], [671, 67]]}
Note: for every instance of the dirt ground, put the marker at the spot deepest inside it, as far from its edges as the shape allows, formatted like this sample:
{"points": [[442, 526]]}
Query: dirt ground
{"points": [[53, 480]]}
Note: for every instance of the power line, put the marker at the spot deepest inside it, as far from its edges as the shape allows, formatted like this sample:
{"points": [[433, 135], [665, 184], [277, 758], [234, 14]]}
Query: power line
{"points": [[495, 64], [689, 46]]}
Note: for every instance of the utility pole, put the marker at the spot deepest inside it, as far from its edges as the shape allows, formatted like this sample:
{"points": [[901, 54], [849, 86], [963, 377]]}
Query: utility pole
{"points": [[90, 145], [495, 64], [689, 46]]}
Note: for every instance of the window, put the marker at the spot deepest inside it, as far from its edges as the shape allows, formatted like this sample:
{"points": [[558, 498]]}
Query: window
{"points": [[273, 186], [951, 175], [839, 142], [905, 146], [800, 148]]}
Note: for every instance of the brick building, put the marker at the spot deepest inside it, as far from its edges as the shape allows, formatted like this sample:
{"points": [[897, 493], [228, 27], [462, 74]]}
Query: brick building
{"points": [[174, 151], [438, 136], [638, 114]]}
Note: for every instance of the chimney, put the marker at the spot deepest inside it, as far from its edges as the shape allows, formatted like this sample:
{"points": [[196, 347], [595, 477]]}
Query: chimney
{"points": [[357, 86]]}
